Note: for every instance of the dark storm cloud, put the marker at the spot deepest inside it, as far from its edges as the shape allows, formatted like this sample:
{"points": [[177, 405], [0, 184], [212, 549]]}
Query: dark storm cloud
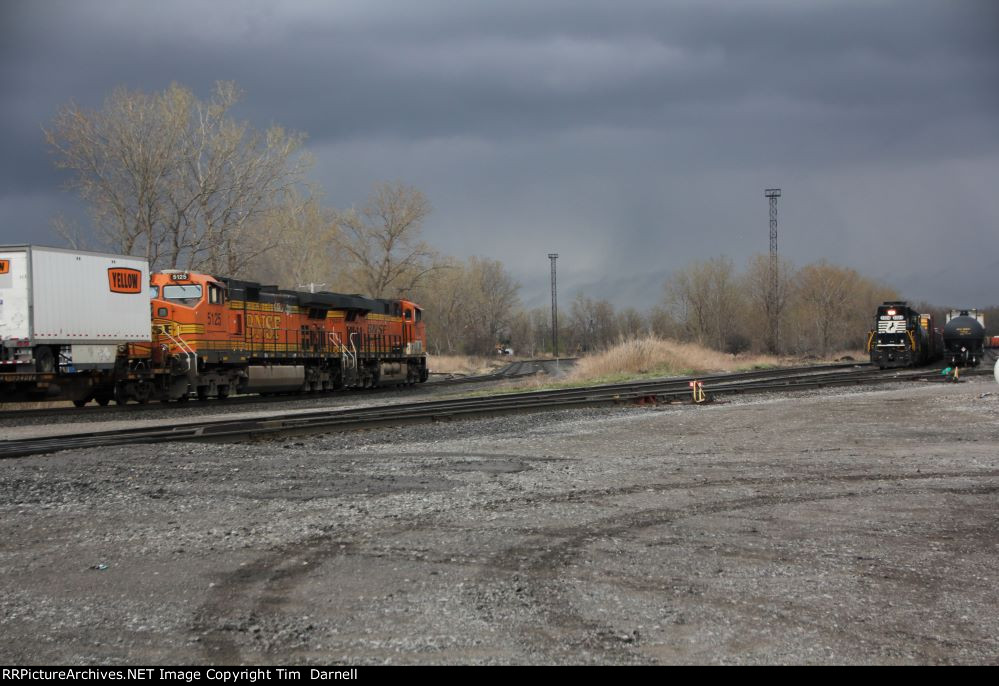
{"points": [[635, 134]]}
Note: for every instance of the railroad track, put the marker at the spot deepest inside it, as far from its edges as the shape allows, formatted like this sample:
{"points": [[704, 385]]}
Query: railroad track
{"points": [[514, 370], [320, 421]]}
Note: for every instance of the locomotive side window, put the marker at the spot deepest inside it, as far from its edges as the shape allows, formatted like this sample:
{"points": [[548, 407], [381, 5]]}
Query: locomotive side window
{"points": [[409, 314], [154, 292], [214, 294], [419, 315]]}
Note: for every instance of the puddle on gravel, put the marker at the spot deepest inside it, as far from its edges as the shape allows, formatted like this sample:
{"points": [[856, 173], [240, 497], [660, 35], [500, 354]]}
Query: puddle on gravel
{"points": [[489, 466]]}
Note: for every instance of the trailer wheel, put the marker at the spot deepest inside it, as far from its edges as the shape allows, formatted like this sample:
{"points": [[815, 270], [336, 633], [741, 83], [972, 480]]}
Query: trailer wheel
{"points": [[44, 361]]}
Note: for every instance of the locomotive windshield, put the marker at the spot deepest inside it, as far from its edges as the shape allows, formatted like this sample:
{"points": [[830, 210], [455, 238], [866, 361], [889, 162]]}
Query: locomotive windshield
{"points": [[185, 295]]}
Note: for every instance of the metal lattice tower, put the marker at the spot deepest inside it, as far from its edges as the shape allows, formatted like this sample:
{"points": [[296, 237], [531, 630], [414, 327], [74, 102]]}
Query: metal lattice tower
{"points": [[554, 256], [773, 296]]}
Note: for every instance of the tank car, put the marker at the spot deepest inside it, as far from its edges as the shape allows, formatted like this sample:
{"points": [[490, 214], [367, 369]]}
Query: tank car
{"points": [[902, 337], [964, 338]]}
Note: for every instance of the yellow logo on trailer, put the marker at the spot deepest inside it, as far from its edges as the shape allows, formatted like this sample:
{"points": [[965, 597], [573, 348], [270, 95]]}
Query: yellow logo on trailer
{"points": [[122, 280]]}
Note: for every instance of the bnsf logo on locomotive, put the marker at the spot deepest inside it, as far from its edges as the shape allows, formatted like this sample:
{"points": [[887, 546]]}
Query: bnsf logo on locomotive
{"points": [[265, 325], [4, 266], [123, 280]]}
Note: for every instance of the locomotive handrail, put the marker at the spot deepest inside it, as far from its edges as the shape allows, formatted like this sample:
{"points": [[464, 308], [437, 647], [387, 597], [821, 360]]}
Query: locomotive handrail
{"points": [[343, 350], [188, 351], [350, 338]]}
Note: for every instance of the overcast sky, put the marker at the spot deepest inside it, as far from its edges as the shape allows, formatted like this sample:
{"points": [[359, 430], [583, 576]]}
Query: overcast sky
{"points": [[629, 136]]}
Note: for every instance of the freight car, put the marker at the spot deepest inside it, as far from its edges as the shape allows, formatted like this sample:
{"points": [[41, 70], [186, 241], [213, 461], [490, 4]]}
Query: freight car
{"points": [[902, 337], [964, 338], [192, 333]]}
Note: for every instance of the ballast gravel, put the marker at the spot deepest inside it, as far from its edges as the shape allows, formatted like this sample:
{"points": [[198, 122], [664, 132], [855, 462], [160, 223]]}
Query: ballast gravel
{"points": [[833, 526]]}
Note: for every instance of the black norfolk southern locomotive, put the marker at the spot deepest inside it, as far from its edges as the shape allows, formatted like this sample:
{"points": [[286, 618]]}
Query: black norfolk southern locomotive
{"points": [[903, 337]]}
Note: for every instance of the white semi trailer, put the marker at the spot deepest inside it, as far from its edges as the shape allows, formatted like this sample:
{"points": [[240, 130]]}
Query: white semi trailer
{"points": [[67, 312]]}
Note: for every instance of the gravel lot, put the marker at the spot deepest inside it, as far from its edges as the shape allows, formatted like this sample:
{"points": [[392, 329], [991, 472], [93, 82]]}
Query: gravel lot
{"points": [[841, 526]]}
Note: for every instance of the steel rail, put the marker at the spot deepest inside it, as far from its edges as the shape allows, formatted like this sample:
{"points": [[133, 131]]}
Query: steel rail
{"points": [[509, 372]]}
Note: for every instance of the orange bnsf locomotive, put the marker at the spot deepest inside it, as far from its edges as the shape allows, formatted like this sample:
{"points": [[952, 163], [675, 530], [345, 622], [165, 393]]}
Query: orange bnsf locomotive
{"points": [[222, 336], [76, 326]]}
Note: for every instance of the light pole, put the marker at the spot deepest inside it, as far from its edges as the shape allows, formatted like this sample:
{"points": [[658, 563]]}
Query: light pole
{"points": [[554, 256], [773, 296]]}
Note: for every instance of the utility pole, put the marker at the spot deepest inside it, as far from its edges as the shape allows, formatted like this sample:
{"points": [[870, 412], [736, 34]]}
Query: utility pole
{"points": [[554, 256], [773, 295]]}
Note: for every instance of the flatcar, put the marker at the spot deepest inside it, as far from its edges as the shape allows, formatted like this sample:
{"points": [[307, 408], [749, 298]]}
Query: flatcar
{"points": [[903, 337], [964, 338]]}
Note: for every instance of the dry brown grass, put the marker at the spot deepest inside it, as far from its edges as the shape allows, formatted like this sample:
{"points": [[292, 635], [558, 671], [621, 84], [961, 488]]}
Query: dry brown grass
{"points": [[659, 357], [464, 364]]}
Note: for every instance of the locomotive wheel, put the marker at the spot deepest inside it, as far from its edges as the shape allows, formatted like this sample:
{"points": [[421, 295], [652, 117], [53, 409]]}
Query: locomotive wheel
{"points": [[202, 392], [80, 402], [103, 400], [223, 392]]}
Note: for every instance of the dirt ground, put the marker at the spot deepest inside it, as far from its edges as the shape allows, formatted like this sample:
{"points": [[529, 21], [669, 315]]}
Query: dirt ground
{"points": [[844, 526]]}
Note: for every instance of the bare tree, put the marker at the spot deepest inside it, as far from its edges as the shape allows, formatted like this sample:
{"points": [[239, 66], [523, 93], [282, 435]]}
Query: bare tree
{"points": [[383, 241], [593, 324], [706, 301], [443, 300], [303, 237], [756, 285], [631, 324], [531, 331], [470, 306], [174, 178], [489, 299], [123, 155], [835, 305]]}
